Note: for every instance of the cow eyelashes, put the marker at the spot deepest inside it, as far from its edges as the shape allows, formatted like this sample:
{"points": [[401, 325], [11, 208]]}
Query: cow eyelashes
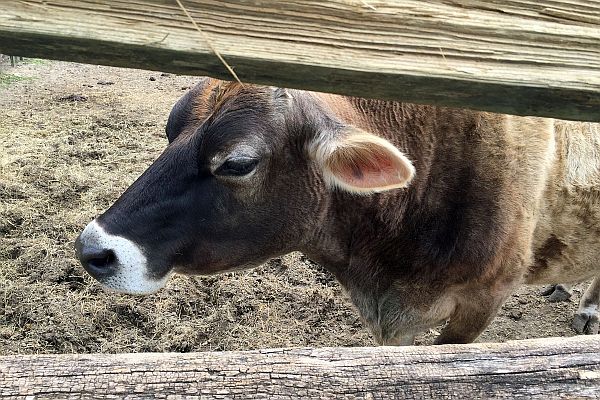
{"points": [[237, 166]]}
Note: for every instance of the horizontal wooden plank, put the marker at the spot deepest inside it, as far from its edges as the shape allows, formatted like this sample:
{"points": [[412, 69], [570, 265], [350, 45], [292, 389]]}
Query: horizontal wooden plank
{"points": [[527, 57], [530, 369]]}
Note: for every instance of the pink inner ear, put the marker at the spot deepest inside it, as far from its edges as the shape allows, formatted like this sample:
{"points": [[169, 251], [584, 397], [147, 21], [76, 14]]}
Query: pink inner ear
{"points": [[369, 171]]}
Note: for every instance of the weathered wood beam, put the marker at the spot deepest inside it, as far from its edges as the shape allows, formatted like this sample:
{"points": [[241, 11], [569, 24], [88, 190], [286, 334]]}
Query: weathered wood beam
{"points": [[530, 369], [527, 57]]}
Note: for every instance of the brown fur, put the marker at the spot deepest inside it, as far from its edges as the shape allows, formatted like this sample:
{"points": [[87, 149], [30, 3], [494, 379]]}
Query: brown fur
{"points": [[542, 179], [490, 172], [567, 235]]}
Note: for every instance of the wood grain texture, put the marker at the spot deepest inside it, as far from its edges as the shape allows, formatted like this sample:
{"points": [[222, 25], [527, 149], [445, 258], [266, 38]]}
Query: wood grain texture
{"points": [[528, 57], [528, 369]]}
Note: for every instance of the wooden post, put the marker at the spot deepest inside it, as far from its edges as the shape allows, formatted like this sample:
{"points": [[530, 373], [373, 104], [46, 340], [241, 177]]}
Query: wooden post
{"points": [[529, 57], [528, 369]]}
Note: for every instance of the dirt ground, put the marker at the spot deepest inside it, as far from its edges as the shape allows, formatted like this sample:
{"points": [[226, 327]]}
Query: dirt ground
{"points": [[72, 138]]}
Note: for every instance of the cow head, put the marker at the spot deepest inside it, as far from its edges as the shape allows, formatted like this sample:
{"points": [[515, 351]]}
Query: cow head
{"points": [[248, 175]]}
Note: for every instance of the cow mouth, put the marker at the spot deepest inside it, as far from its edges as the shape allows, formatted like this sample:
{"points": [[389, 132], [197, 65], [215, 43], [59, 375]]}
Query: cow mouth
{"points": [[120, 283], [206, 268]]}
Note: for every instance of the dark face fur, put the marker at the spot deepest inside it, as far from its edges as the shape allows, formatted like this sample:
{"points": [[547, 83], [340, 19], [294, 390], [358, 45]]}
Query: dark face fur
{"points": [[220, 197]]}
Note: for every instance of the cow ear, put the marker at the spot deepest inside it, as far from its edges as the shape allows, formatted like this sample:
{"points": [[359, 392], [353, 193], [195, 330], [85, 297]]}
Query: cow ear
{"points": [[360, 162], [195, 105], [281, 94], [281, 98]]}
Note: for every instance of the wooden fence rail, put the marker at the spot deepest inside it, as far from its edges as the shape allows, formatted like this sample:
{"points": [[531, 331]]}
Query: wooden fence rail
{"points": [[528, 57], [529, 369]]}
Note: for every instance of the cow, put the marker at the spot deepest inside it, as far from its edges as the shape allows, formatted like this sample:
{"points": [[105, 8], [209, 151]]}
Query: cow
{"points": [[424, 214]]}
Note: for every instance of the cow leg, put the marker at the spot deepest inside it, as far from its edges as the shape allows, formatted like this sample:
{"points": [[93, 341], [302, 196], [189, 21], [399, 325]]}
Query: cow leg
{"points": [[587, 318], [469, 319], [404, 340], [556, 293]]}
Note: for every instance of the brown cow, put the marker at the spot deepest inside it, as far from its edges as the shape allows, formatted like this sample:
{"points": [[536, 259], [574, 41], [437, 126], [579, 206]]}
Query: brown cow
{"points": [[424, 214]]}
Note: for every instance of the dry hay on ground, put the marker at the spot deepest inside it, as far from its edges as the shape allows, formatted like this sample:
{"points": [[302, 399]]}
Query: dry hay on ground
{"points": [[71, 142]]}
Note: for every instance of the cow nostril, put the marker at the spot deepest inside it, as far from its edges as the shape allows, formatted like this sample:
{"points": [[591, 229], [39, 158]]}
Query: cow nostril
{"points": [[102, 260], [96, 260]]}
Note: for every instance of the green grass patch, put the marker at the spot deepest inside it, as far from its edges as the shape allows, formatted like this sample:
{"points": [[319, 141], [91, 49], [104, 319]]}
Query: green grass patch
{"points": [[35, 61], [9, 79]]}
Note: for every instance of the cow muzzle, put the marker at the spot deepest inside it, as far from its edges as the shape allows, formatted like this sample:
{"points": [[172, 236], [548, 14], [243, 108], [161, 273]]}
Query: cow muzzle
{"points": [[116, 262]]}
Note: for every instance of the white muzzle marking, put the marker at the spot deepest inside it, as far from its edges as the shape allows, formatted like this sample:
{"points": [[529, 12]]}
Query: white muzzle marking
{"points": [[131, 272]]}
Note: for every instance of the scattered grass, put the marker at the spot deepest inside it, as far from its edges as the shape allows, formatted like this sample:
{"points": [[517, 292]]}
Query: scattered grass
{"points": [[9, 79], [35, 61], [61, 164]]}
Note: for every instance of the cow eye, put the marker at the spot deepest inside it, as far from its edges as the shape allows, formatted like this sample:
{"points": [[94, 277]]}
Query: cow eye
{"points": [[237, 166]]}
